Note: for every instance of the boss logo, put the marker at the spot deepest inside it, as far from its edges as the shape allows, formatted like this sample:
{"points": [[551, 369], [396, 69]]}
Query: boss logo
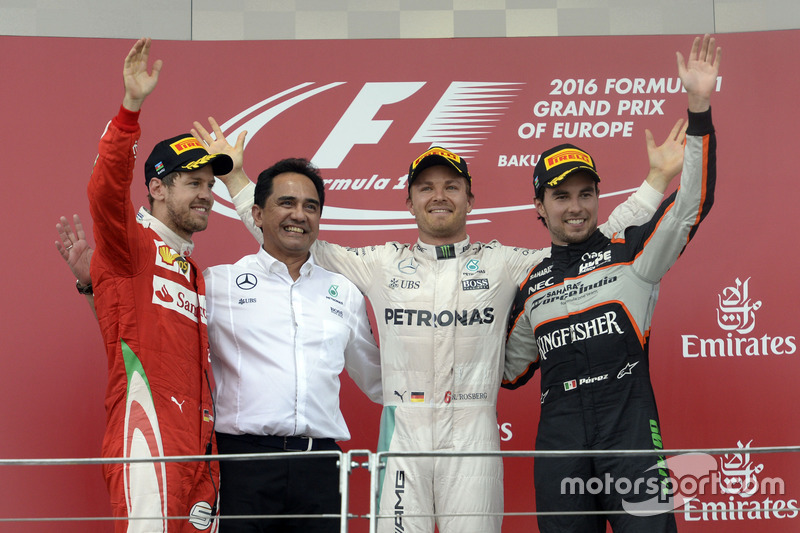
{"points": [[474, 284]]}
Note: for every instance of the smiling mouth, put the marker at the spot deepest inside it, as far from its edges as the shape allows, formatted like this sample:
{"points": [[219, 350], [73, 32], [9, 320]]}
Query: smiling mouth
{"points": [[294, 229], [575, 221]]}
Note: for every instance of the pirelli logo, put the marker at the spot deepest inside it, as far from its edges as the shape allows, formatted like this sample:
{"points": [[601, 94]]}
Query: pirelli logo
{"points": [[187, 143], [438, 151], [566, 156]]}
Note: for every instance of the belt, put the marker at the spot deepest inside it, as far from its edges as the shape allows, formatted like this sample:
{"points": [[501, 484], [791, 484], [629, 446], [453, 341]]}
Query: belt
{"points": [[276, 442], [294, 444], [291, 444]]}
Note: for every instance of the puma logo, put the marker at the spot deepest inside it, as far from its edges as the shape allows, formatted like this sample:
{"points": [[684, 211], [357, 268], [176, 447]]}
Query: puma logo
{"points": [[180, 405], [399, 395]]}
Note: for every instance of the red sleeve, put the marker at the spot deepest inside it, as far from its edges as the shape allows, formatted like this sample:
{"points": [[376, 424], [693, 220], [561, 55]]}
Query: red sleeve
{"points": [[113, 214]]}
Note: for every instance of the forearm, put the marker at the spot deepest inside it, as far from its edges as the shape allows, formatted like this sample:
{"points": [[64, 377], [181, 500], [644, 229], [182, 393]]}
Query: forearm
{"points": [[235, 182], [243, 201], [637, 209]]}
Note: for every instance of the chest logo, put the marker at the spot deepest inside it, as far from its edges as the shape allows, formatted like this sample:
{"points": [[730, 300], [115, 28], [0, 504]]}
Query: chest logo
{"points": [[246, 281], [407, 266]]}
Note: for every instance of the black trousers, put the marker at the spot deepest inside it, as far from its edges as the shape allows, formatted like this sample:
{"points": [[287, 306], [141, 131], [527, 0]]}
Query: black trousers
{"points": [[597, 417], [302, 485]]}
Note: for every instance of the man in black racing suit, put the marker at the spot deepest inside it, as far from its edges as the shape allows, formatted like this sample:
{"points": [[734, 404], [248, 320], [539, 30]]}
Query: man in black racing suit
{"points": [[583, 317]]}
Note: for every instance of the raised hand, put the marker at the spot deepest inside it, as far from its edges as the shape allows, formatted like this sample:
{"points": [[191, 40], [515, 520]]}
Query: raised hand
{"points": [[74, 248], [699, 73], [139, 83], [216, 143], [666, 160]]}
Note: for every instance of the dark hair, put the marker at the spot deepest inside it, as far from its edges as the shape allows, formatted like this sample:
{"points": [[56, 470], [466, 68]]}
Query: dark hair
{"points": [[167, 181], [295, 165], [540, 197]]}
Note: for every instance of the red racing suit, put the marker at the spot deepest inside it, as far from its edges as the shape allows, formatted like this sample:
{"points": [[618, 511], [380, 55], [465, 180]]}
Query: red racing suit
{"points": [[150, 302]]}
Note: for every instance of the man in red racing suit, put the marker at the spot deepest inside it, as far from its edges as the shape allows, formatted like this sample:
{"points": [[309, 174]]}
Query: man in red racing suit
{"points": [[150, 303]]}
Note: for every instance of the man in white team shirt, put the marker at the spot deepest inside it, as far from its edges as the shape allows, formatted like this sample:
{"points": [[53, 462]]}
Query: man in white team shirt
{"points": [[441, 307], [281, 329]]}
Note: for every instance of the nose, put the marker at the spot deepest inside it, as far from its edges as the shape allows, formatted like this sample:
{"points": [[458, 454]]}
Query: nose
{"points": [[298, 212], [574, 204], [205, 193], [439, 192]]}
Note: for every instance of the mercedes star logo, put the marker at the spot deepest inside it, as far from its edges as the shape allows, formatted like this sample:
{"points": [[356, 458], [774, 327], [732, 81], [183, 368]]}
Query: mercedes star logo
{"points": [[246, 281]]}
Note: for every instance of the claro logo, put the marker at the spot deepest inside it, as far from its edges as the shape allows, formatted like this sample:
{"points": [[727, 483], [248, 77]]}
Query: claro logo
{"points": [[736, 315]]}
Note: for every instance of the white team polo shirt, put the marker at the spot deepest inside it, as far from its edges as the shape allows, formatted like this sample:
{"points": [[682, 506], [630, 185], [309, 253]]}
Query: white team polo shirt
{"points": [[278, 347]]}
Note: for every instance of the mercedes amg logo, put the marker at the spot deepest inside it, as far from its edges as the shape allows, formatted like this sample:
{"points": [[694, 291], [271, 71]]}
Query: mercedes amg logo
{"points": [[407, 266], [246, 281]]}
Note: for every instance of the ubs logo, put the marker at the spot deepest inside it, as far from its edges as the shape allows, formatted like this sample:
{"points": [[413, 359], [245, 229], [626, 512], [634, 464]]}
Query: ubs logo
{"points": [[403, 284]]}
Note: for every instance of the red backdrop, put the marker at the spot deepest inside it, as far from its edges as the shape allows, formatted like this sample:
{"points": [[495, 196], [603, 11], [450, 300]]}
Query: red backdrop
{"points": [[364, 109]]}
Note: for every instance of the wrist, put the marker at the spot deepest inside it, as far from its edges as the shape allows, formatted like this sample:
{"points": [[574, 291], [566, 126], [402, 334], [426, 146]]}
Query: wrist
{"points": [[85, 289]]}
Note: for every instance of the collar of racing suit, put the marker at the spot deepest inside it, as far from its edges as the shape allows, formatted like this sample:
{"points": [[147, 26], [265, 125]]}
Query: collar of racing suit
{"points": [[172, 239], [444, 251], [565, 253]]}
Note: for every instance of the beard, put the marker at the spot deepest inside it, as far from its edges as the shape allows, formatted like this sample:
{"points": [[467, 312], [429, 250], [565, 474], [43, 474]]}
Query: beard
{"points": [[184, 219]]}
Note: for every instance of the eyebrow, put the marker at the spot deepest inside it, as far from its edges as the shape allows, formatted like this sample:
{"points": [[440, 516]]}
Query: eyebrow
{"points": [[295, 199]]}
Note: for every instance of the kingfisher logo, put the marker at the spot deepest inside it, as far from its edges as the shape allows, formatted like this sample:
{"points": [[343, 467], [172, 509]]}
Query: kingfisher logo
{"points": [[736, 317], [605, 324]]}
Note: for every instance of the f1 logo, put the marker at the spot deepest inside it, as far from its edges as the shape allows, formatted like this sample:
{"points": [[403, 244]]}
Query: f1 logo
{"points": [[357, 125]]}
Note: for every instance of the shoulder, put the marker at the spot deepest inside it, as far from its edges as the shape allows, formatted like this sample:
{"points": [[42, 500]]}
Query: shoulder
{"points": [[241, 265], [325, 276]]}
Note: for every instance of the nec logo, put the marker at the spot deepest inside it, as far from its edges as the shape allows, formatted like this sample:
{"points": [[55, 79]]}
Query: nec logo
{"points": [[541, 285], [474, 284]]}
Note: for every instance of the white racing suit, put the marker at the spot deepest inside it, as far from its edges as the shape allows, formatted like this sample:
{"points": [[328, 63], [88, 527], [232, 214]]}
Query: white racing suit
{"points": [[442, 314]]}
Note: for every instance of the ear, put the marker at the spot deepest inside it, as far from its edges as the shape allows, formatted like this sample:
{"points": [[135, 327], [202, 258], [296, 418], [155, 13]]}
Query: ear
{"points": [[257, 220], [157, 189], [539, 205], [410, 205], [470, 202]]}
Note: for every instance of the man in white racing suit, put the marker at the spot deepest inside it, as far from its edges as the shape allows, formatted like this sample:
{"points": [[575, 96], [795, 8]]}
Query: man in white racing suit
{"points": [[441, 307]]}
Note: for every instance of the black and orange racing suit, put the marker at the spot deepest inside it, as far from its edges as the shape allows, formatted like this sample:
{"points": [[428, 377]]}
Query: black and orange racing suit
{"points": [[583, 317]]}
